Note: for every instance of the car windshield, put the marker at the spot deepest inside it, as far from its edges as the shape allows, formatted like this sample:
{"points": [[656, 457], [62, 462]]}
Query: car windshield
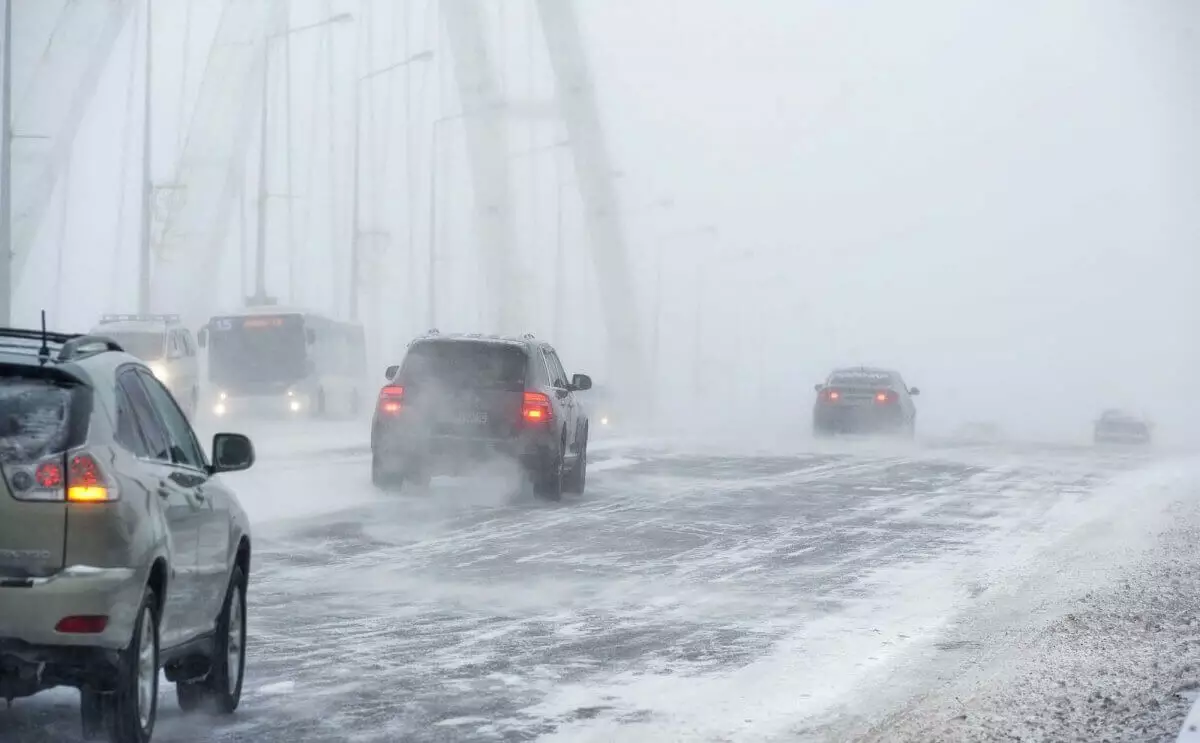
{"points": [[147, 346], [257, 350], [34, 418], [465, 365]]}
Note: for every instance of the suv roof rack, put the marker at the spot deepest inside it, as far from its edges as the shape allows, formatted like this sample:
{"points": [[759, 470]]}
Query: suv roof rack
{"points": [[71, 346]]}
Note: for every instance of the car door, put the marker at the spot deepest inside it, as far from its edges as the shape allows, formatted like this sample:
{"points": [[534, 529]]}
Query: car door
{"points": [[182, 511], [906, 401], [575, 432], [212, 550], [562, 390]]}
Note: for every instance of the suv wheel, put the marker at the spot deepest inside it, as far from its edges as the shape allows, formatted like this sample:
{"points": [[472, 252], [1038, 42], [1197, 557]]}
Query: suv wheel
{"points": [[91, 708], [132, 708], [548, 483], [577, 478], [222, 687], [383, 479]]}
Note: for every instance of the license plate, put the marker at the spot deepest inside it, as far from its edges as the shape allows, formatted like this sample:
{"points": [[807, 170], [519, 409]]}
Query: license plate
{"points": [[477, 418]]}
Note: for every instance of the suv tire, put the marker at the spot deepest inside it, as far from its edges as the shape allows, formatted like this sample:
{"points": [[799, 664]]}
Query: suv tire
{"points": [[577, 477], [221, 689], [548, 483], [381, 478], [133, 706], [91, 712]]}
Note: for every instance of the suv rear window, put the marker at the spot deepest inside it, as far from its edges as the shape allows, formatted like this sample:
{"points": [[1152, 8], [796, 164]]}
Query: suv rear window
{"points": [[467, 365], [35, 418], [148, 346], [860, 379]]}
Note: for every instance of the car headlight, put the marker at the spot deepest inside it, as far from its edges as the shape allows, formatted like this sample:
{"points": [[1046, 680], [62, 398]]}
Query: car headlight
{"points": [[604, 420], [160, 371], [219, 409], [295, 406]]}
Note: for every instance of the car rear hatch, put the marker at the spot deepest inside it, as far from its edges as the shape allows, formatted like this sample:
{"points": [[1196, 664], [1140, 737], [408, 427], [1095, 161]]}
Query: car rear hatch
{"points": [[43, 413], [464, 388]]}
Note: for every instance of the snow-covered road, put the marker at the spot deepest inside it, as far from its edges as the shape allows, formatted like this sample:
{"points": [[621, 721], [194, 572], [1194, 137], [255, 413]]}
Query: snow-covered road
{"points": [[691, 594]]}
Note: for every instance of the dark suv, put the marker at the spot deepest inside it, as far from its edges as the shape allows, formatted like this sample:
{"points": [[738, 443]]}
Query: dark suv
{"points": [[458, 400], [121, 551], [864, 400]]}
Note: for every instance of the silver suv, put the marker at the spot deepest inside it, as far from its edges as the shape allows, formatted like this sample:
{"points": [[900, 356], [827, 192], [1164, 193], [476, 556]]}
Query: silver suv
{"points": [[121, 550]]}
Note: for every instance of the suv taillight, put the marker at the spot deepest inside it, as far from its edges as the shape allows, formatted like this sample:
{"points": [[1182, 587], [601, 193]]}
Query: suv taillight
{"points": [[883, 397], [536, 408], [391, 400], [82, 480], [830, 395]]}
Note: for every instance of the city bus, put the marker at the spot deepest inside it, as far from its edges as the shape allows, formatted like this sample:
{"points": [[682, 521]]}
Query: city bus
{"points": [[275, 361]]}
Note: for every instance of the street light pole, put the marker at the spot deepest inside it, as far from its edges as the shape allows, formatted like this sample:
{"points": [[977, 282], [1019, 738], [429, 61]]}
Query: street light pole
{"points": [[147, 170], [6, 283], [356, 225], [431, 273], [260, 253], [260, 257], [287, 158], [355, 189]]}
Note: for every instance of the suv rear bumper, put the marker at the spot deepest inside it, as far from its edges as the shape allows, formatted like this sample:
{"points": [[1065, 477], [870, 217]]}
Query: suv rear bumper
{"points": [[434, 455], [31, 608], [858, 418]]}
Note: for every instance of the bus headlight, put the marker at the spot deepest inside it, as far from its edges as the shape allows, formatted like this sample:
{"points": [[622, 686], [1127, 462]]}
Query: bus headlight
{"points": [[604, 420], [219, 409], [160, 371], [294, 405]]}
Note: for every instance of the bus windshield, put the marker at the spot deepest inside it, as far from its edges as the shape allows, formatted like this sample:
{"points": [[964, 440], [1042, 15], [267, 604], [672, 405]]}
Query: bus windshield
{"points": [[257, 350]]}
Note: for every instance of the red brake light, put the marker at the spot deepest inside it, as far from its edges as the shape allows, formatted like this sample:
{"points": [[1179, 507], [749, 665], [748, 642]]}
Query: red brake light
{"points": [[885, 396], [391, 399], [82, 625], [49, 475], [832, 395], [536, 408]]}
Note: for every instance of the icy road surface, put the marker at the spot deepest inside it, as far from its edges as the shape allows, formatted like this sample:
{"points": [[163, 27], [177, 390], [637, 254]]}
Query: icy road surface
{"points": [[689, 595]]}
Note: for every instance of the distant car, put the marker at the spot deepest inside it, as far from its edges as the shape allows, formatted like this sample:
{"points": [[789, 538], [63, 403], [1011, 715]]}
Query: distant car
{"points": [[1120, 427], [122, 554], [601, 405], [165, 345], [864, 400], [458, 400]]}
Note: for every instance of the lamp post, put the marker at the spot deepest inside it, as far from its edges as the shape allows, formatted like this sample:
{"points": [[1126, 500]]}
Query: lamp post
{"points": [[260, 255], [147, 170], [6, 174], [355, 209]]}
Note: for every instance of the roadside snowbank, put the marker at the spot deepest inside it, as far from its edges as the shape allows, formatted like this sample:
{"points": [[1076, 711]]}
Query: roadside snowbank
{"points": [[1102, 643], [906, 627]]}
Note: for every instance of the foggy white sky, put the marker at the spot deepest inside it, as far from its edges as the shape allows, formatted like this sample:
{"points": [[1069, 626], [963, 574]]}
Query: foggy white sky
{"points": [[998, 198]]}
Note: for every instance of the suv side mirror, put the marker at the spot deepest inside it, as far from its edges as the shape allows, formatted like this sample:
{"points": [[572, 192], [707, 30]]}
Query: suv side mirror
{"points": [[818, 387], [580, 383], [202, 337], [915, 391], [232, 452], [391, 372]]}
